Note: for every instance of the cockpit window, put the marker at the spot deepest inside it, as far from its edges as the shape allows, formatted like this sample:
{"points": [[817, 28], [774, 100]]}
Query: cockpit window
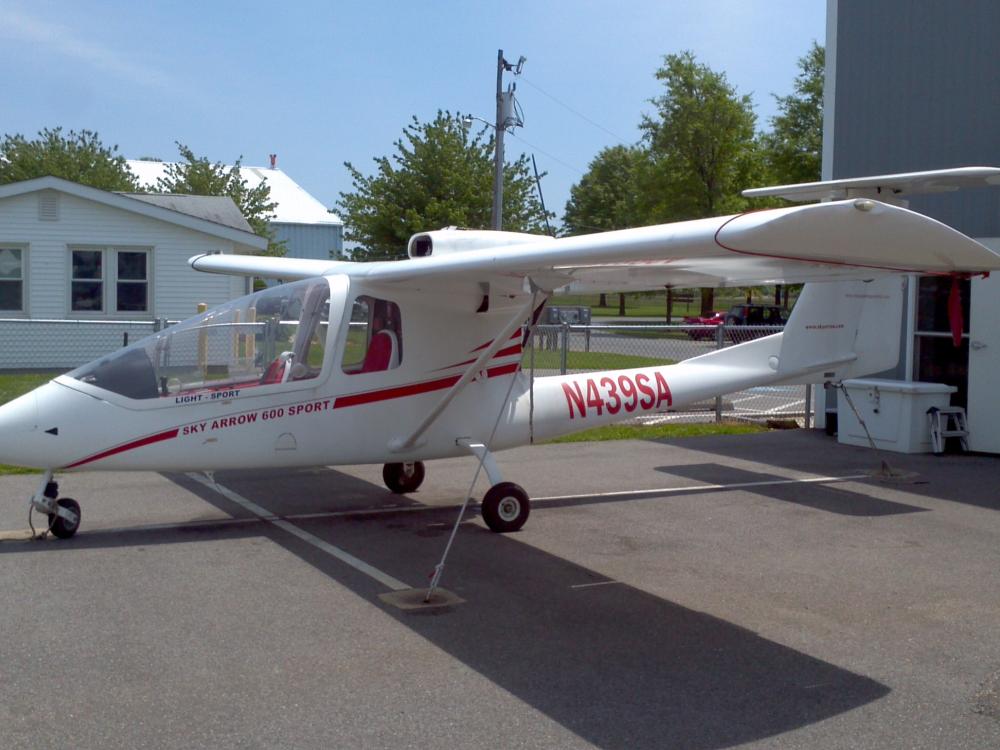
{"points": [[374, 337], [274, 336]]}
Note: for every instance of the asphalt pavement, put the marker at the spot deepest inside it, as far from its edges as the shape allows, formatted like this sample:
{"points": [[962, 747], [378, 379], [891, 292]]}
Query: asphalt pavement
{"points": [[764, 591]]}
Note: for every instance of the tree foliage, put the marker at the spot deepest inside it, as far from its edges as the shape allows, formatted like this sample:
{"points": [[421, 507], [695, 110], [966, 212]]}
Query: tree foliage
{"points": [[703, 146], [197, 175], [699, 150], [794, 147], [702, 143], [79, 157], [439, 176], [608, 195]]}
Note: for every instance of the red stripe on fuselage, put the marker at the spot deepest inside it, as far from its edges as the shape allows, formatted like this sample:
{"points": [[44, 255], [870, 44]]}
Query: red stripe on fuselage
{"points": [[399, 391], [415, 389], [515, 335], [149, 440], [340, 402], [508, 352]]}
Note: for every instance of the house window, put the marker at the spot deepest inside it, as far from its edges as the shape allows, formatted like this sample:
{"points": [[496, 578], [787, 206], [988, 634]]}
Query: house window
{"points": [[11, 279], [132, 286], [87, 286], [109, 279]]}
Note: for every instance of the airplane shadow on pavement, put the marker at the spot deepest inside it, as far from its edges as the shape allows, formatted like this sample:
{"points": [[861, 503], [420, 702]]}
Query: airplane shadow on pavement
{"points": [[615, 665]]}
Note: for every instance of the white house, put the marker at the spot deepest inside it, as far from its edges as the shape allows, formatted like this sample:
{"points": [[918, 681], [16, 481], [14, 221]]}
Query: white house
{"points": [[80, 267], [304, 224]]}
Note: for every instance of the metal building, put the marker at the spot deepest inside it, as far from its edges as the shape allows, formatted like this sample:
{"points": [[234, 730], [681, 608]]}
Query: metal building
{"points": [[912, 85], [304, 224]]}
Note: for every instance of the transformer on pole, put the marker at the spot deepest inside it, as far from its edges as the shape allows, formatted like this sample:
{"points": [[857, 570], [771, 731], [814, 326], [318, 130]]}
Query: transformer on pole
{"points": [[507, 117]]}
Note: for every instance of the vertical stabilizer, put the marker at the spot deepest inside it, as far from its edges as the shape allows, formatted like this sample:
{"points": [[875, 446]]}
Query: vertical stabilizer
{"points": [[843, 329]]}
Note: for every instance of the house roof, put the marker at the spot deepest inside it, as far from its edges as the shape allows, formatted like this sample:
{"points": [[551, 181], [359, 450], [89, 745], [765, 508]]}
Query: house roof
{"points": [[218, 209], [294, 204], [196, 218]]}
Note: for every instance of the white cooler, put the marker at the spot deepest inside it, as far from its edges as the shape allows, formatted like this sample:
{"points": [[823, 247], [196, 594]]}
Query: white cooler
{"points": [[894, 411]]}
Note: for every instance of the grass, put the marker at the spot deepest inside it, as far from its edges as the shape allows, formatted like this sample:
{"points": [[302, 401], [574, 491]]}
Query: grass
{"points": [[660, 431], [12, 386], [551, 360]]}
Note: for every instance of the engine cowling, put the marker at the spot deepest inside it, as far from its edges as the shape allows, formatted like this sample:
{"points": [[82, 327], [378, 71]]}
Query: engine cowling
{"points": [[453, 240]]}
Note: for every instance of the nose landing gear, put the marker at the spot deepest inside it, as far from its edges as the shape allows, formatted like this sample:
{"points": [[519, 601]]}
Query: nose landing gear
{"points": [[63, 512]]}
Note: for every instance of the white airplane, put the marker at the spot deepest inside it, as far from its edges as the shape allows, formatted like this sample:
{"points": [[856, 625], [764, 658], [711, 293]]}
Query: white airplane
{"points": [[403, 362]]}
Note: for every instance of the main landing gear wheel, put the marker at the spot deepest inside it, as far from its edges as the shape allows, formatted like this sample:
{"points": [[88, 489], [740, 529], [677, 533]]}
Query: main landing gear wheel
{"points": [[403, 478], [62, 527], [506, 507]]}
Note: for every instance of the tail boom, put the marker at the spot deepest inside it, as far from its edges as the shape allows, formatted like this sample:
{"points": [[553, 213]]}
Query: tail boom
{"points": [[837, 330]]}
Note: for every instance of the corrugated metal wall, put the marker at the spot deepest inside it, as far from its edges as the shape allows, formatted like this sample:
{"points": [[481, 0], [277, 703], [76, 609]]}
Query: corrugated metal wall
{"points": [[918, 87], [319, 241]]}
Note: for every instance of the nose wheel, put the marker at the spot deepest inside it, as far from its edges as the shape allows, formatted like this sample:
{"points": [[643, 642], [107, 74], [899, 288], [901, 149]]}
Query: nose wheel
{"points": [[63, 512], [65, 524]]}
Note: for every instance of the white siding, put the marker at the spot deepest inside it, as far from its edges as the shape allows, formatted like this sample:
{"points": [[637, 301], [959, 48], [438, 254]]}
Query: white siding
{"points": [[174, 293], [175, 288]]}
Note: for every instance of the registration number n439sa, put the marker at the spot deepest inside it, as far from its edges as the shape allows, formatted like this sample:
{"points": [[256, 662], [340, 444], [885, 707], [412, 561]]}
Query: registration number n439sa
{"points": [[595, 395]]}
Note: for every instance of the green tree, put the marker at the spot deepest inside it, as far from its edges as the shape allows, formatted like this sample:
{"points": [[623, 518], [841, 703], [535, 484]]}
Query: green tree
{"points": [[439, 176], [794, 147], [80, 157], [702, 145], [607, 197], [196, 175]]}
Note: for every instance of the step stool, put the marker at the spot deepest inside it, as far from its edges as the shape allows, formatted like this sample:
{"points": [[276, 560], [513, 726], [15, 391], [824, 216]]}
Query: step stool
{"points": [[946, 422]]}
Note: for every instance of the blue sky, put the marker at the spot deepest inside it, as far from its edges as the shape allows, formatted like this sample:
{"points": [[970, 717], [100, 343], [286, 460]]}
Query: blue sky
{"points": [[321, 83]]}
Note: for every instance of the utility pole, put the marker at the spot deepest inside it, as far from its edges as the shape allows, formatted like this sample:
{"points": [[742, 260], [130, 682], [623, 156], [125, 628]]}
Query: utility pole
{"points": [[506, 117]]}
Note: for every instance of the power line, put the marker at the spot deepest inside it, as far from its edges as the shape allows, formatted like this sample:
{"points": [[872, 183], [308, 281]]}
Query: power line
{"points": [[546, 153], [575, 112]]}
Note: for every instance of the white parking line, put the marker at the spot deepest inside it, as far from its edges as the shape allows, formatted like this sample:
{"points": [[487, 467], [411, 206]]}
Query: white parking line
{"points": [[345, 557], [734, 486], [260, 515], [591, 585]]}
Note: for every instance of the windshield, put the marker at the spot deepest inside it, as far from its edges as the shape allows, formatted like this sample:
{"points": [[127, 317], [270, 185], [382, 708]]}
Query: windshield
{"points": [[274, 336]]}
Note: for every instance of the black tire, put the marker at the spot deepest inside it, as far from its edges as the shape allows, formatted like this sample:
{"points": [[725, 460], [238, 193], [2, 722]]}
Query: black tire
{"points": [[506, 507], [403, 478], [58, 525]]}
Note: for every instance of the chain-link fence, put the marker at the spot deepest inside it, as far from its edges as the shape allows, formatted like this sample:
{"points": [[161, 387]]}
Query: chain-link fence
{"points": [[562, 349], [65, 344], [57, 344]]}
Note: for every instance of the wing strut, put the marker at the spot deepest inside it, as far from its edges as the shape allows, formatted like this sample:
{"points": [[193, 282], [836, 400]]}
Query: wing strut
{"points": [[397, 445]]}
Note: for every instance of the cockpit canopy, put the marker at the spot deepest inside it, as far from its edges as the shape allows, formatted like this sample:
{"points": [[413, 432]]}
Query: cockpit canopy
{"points": [[277, 335]]}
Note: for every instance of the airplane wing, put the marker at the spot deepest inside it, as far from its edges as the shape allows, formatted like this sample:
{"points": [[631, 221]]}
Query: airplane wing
{"points": [[837, 240], [884, 187], [269, 267]]}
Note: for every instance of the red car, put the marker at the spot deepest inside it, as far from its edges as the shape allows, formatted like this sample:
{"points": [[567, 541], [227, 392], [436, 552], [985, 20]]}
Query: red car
{"points": [[715, 319]]}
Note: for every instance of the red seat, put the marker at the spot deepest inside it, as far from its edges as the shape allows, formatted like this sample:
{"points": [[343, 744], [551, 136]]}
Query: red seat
{"points": [[275, 371], [380, 352]]}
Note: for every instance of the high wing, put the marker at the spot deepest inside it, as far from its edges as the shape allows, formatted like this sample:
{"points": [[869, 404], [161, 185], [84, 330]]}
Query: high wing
{"points": [[850, 239], [886, 187]]}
